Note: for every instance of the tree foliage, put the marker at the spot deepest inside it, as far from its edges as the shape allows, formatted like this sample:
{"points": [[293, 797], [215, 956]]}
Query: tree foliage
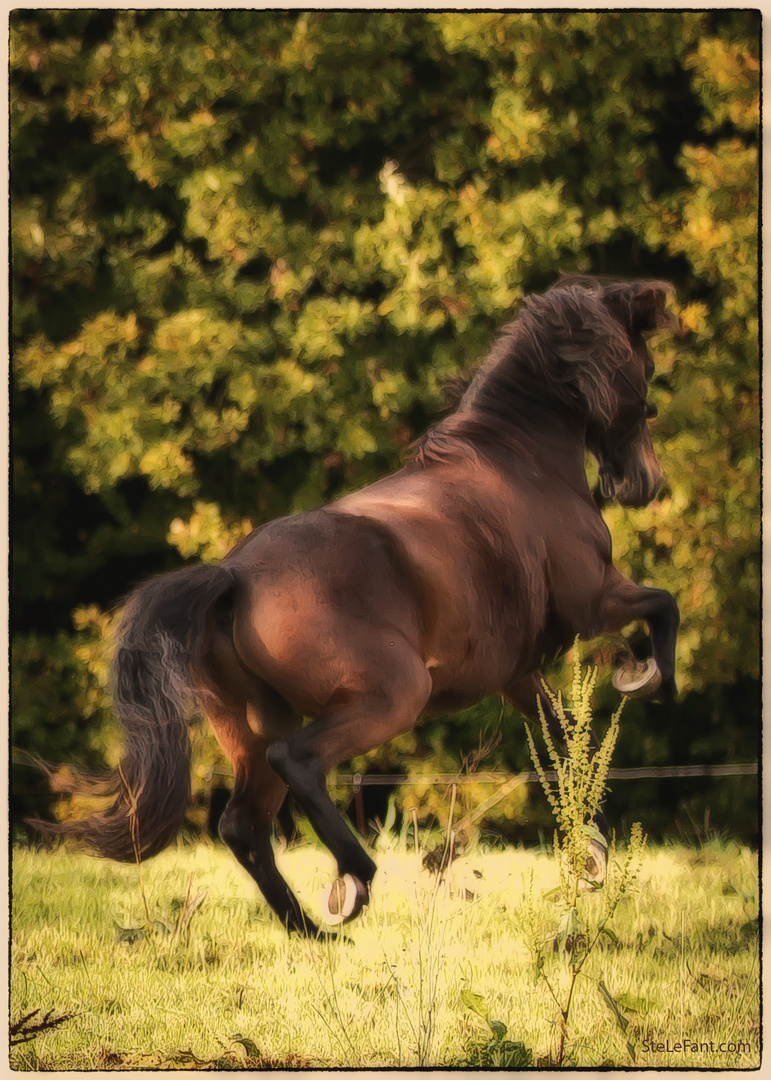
{"points": [[249, 248]]}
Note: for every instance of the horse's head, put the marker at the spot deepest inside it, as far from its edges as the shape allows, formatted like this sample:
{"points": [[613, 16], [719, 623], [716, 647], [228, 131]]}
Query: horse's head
{"points": [[597, 341], [578, 350], [619, 438]]}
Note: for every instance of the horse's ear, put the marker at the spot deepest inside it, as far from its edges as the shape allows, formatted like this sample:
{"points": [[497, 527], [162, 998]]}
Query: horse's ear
{"points": [[640, 305]]}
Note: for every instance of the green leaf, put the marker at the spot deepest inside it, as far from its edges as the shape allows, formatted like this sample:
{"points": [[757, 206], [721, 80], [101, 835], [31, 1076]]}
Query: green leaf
{"points": [[130, 935], [635, 1004], [475, 1002], [607, 997], [729, 889], [498, 1029], [184, 1058], [515, 1055], [538, 967], [569, 926], [250, 1047]]}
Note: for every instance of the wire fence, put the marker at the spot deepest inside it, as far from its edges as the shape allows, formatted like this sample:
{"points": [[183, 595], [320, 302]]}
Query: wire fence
{"points": [[361, 780], [503, 782], [357, 780], [508, 782]]}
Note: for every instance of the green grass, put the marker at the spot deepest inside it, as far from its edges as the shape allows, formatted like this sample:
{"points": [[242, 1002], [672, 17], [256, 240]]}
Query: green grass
{"points": [[233, 991]]}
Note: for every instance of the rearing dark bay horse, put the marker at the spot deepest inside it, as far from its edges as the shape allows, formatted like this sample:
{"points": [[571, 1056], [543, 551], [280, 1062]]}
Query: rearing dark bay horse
{"points": [[456, 577]]}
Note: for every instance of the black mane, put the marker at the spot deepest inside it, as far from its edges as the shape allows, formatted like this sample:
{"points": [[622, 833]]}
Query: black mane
{"points": [[562, 349]]}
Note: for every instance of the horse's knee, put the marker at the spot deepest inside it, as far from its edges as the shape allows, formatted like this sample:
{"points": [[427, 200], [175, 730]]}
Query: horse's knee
{"points": [[670, 605], [230, 829], [666, 610], [239, 830], [277, 756], [286, 755]]}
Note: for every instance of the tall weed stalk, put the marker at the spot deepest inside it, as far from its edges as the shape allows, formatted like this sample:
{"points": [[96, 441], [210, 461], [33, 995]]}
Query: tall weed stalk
{"points": [[575, 797]]}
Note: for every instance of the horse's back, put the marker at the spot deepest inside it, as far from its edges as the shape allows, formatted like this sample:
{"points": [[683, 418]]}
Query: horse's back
{"points": [[422, 554]]}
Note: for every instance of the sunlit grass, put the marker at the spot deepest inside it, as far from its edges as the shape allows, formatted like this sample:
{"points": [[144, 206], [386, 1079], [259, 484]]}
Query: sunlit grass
{"points": [[240, 993]]}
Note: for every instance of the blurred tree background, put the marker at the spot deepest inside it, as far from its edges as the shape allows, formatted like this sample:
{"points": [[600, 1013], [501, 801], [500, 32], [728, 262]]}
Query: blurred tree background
{"points": [[248, 250]]}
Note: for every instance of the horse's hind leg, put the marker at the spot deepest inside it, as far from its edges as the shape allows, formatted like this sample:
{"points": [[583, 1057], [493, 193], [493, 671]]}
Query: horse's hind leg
{"points": [[246, 717], [398, 688], [246, 828]]}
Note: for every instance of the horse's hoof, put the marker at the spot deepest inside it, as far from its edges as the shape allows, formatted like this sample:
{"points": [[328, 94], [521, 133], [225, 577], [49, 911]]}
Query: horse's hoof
{"points": [[639, 680], [596, 864], [344, 899]]}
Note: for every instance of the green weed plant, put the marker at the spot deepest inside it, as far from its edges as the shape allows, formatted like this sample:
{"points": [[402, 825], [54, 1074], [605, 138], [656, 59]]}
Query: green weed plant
{"points": [[576, 795]]}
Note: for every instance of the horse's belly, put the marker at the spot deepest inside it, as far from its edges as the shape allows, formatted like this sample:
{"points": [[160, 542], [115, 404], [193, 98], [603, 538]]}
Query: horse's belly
{"points": [[469, 672], [451, 701]]}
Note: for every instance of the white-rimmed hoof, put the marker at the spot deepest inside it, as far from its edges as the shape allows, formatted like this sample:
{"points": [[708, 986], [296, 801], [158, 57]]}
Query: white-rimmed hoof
{"points": [[596, 862], [344, 899], [637, 679]]}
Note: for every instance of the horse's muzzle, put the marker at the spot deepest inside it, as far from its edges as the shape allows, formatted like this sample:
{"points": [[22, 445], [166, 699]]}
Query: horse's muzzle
{"points": [[639, 488]]}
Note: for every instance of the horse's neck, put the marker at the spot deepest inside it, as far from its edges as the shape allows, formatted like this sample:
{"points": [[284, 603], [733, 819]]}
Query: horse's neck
{"points": [[536, 430], [560, 452]]}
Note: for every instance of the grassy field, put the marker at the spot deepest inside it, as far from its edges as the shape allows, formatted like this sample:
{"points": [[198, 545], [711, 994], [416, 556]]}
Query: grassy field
{"points": [[216, 983]]}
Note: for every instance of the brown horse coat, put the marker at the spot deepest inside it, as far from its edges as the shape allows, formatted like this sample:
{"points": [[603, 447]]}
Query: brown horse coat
{"points": [[458, 576]]}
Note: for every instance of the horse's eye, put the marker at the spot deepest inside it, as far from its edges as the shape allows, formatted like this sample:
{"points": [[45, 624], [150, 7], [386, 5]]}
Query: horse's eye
{"points": [[651, 412]]}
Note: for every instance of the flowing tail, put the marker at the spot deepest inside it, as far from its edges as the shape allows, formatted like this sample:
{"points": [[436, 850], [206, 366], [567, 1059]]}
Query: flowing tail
{"points": [[160, 639]]}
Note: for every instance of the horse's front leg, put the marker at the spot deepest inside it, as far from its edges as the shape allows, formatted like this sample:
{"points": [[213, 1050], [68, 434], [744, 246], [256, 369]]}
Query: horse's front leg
{"points": [[397, 688], [624, 602]]}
